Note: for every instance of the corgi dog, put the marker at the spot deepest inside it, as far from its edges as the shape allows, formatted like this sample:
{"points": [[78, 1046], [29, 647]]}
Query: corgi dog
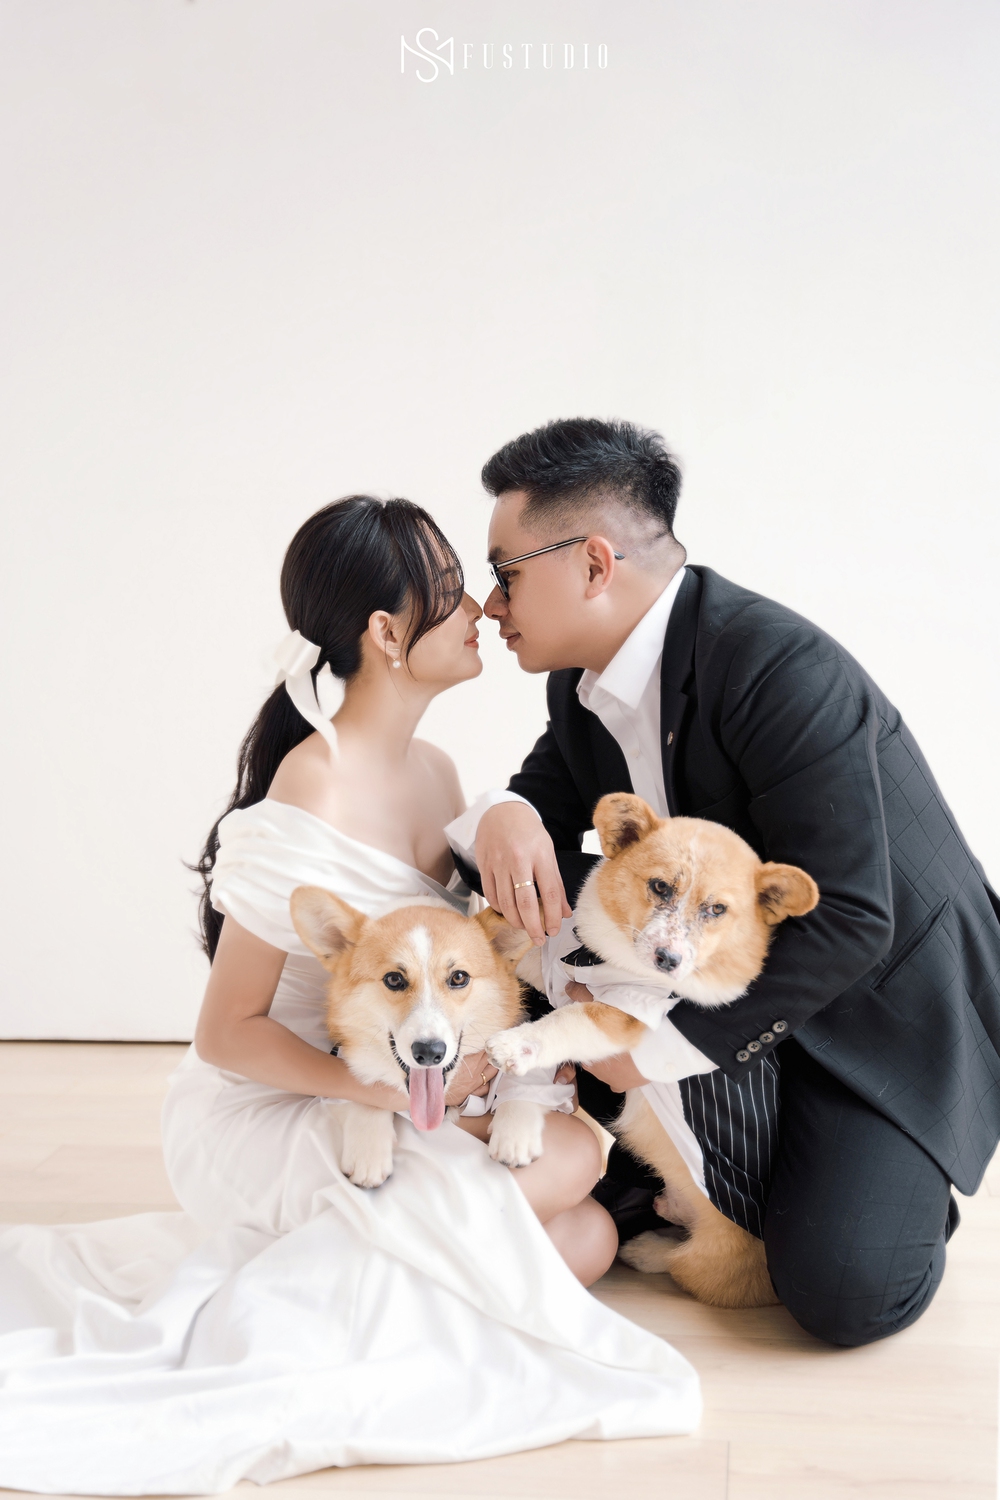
{"points": [[686, 905], [411, 992]]}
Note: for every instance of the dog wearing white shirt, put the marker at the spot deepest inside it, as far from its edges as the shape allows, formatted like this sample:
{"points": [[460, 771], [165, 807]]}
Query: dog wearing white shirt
{"points": [[682, 906]]}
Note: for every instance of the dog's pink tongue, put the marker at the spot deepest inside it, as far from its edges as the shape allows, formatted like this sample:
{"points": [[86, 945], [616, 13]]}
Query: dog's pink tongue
{"points": [[427, 1097]]}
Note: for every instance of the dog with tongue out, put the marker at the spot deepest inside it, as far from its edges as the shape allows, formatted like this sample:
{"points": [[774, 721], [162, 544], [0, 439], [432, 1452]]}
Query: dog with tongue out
{"points": [[411, 993]]}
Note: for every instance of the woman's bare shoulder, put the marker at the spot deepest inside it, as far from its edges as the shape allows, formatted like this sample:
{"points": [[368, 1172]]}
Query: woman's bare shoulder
{"points": [[306, 778]]}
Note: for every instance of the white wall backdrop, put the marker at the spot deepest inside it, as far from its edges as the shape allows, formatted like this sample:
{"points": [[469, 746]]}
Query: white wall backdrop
{"points": [[249, 266]]}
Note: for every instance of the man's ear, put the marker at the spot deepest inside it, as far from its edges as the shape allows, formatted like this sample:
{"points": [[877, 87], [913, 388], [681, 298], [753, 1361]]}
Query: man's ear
{"points": [[622, 819], [327, 925], [784, 891], [510, 943], [600, 557]]}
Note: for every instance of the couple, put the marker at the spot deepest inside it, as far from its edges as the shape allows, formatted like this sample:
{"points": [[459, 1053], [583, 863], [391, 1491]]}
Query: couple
{"points": [[287, 1320]]}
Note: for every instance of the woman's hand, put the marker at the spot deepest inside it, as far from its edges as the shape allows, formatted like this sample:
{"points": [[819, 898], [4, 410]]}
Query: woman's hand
{"points": [[473, 1075]]}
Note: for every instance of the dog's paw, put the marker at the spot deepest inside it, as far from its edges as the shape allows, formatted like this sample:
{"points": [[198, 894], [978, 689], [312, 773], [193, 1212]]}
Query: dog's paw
{"points": [[367, 1169], [515, 1051], [648, 1252], [366, 1157], [363, 1142], [516, 1133]]}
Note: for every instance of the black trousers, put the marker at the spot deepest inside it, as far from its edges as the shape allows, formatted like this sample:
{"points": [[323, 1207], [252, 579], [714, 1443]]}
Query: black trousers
{"points": [[857, 1214]]}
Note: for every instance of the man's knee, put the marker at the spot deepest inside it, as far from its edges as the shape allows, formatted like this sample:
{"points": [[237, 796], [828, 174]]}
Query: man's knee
{"points": [[856, 1303], [835, 1320]]}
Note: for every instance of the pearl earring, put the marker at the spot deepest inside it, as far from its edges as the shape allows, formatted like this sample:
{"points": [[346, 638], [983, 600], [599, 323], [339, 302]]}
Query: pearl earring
{"points": [[397, 664]]}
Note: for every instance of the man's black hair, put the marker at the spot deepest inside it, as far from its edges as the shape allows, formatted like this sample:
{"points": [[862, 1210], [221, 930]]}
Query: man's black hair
{"points": [[584, 458]]}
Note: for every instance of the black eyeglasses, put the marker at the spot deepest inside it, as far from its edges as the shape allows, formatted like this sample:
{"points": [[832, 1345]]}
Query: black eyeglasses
{"points": [[497, 568]]}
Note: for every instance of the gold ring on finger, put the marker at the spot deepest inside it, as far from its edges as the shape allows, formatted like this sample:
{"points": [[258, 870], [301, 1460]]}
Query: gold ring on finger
{"points": [[520, 884]]}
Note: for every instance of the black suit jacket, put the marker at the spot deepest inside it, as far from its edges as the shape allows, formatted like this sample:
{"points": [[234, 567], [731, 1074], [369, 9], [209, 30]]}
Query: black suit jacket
{"points": [[769, 727]]}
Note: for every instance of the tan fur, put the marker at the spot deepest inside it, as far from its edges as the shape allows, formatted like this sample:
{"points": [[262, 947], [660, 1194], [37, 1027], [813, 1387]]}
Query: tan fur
{"points": [[621, 1030], [718, 1262], [511, 943], [425, 941], [684, 904], [357, 951], [705, 865]]}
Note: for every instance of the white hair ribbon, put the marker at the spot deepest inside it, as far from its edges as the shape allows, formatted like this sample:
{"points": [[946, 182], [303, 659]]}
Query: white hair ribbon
{"points": [[295, 659]]}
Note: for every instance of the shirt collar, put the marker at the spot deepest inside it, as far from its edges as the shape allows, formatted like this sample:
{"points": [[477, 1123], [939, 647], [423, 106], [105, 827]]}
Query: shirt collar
{"points": [[627, 674]]}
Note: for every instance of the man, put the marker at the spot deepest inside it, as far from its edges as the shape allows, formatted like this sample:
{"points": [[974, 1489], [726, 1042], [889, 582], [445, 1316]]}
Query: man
{"points": [[876, 1022]]}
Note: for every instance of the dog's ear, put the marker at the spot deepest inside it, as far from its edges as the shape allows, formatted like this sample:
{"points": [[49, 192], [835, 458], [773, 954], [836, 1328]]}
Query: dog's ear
{"points": [[508, 941], [325, 924], [622, 819], [784, 891]]}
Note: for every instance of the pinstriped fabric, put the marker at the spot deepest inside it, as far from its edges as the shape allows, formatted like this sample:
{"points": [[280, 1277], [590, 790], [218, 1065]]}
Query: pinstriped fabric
{"points": [[736, 1126]]}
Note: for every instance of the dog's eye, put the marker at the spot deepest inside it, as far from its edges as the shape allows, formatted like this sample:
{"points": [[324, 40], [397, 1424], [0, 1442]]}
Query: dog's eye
{"points": [[661, 889], [718, 909], [394, 980], [457, 979]]}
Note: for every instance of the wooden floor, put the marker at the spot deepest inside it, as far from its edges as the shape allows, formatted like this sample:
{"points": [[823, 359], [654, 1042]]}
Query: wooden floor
{"points": [[786, 1418]]}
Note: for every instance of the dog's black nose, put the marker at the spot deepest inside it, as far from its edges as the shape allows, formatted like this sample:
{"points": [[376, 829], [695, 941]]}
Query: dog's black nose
{"points": [[428, 1052], [666, 961]]}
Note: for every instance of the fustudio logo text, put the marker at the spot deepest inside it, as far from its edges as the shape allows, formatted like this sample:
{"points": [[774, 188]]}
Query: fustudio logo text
{"points": [[429, 57]]}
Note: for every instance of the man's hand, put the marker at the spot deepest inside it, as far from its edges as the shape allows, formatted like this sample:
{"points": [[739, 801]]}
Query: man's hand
{"points": [[619, 1073], [578, 993], [513, 850]]}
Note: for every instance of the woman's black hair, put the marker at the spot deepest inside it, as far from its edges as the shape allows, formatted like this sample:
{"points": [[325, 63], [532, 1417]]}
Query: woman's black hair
{"points": [[351, 558]]}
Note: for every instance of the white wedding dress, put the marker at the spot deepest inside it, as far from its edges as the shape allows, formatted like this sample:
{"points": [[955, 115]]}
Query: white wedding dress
{"points": [[286, 1320]]}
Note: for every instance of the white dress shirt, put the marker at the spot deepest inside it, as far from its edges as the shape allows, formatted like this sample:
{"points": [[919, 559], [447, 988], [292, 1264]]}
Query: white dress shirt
{"points": [[626, 699]]}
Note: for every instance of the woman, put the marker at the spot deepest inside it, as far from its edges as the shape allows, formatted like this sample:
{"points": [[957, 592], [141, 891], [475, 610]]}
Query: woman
{"points": [[288, 1320], [380, 590]]}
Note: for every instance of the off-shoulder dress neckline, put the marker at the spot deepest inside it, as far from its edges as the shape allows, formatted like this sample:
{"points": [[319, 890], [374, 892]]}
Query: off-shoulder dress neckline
{"points": [[453, 897]]}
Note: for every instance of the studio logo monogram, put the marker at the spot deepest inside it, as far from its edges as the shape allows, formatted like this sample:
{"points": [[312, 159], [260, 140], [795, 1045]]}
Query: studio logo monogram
{"points": [[440, 55], [436, 58]]}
